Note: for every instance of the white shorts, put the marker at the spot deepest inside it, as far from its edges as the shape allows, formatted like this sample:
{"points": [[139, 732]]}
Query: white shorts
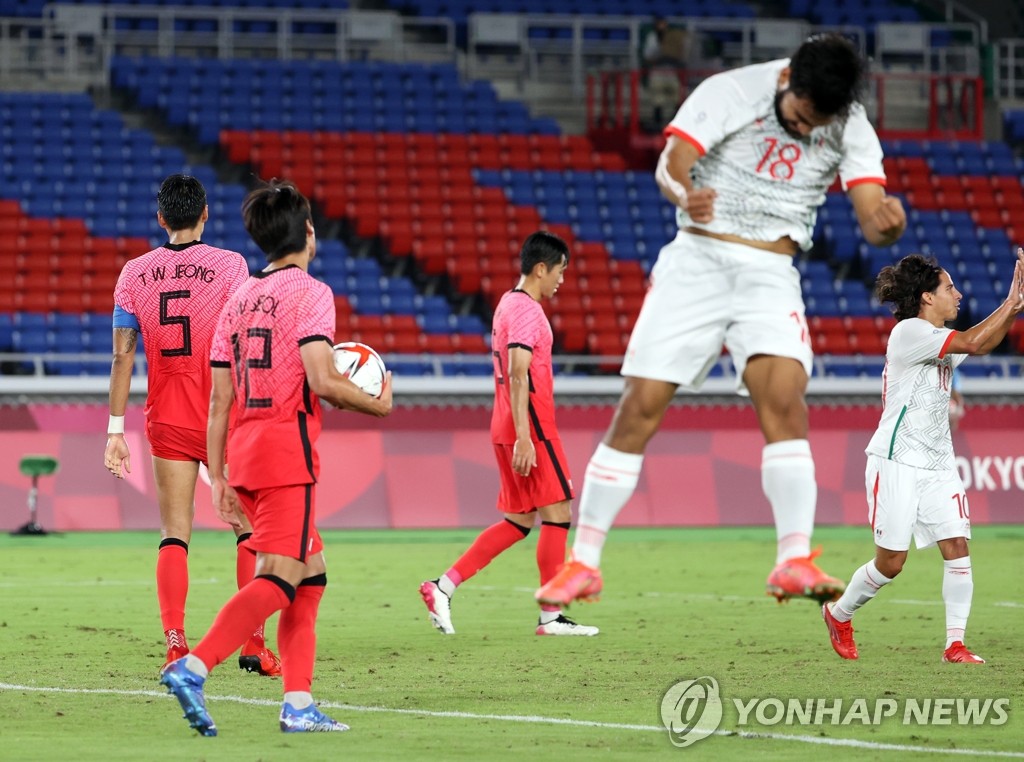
{"points": [[905, 500], [706, 294]]}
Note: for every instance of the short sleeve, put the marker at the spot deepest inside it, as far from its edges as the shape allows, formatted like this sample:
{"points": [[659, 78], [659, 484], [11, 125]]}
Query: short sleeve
{"points": [[239, 275], [220, 347], [715, 109], [316, 316], [862, 153], [526, 326], [123, 295], [918, 341]]}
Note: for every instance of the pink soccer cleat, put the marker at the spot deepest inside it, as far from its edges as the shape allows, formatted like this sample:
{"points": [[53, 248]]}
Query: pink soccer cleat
{"points": [[801, 578], [574, 581]]}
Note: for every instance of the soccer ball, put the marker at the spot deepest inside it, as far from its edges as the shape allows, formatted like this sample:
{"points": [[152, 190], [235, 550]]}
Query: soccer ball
{"points": [[361, 365]]}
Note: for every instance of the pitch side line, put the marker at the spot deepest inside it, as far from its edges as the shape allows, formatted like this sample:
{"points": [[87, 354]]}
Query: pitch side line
{"points": [[742, 598], [540, 720]]}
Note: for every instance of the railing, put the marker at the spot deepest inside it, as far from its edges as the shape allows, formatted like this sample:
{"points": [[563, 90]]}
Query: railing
{"points": [[1007, 372], [943, 48], [74, 43], [901, 105], [1008, 69]]}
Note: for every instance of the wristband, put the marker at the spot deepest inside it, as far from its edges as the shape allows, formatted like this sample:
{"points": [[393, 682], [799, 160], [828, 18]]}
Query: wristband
{"points": [[116, 424]]}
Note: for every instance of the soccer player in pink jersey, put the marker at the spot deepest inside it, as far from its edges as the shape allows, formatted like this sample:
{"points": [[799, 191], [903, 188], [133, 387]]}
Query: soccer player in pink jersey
{"points": [[273, 360], [748, 160], [913, 486], [534, 473], [172, 296]]}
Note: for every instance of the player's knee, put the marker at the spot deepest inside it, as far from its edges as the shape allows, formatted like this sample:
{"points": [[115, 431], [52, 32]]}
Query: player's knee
{"points": [[890, 566]]}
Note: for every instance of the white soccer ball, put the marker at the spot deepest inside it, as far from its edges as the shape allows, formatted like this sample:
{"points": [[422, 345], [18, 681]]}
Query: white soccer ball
{"points": [[362, 365]]}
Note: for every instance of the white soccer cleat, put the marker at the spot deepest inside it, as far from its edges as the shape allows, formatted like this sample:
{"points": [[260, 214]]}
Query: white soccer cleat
{"points": [[565, 626], [439, 606]]}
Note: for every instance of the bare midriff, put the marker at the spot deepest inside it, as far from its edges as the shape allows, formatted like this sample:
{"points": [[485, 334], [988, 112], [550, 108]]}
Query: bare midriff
{"points": [[784, 245]]}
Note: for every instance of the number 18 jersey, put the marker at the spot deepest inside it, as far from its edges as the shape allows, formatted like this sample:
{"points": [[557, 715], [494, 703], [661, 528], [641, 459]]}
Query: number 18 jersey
{"points": [[769, 183], [276, 418], [173, 296]]}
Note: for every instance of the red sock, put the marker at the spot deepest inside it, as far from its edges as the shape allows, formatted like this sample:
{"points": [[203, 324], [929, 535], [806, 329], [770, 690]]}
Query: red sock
{"points": [[245, 570], [491, 542], [245, 562], [172, 582], [551, 554], [240, 616], [551, 549], [296, 635]]}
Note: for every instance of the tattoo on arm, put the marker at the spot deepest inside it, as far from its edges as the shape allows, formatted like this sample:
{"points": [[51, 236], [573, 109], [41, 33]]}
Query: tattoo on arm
{"points": [[130, 336]]}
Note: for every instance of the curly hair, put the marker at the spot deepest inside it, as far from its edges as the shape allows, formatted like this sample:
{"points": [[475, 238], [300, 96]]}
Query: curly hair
{"points": [[903, 283], [827, 70]]}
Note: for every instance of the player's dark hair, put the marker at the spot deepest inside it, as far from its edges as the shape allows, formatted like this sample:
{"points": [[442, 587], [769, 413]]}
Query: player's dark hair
{"points": [[542, 247], [827, 70], [903, 283], [275, 215], [181, 200]]}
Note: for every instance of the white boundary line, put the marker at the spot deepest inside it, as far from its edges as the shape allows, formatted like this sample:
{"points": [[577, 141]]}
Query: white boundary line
{"points": [[540, 720]]}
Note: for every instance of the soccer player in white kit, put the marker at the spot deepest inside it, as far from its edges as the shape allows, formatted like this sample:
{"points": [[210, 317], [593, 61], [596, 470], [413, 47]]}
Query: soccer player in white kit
{"points": [[913, 486], [748, 160]]}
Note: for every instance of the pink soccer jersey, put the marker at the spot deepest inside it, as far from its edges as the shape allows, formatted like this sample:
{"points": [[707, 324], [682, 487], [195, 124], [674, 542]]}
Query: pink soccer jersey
{"points": [[176, 293], [519, 321], [276, 418]]}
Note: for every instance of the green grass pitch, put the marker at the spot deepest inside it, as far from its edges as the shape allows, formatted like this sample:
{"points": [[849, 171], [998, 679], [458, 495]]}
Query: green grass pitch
{"points": [[81, 645]]}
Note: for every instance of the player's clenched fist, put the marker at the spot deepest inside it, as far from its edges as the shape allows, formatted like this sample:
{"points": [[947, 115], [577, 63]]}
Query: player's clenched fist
{"points": [[700, 204], [889, 218]]}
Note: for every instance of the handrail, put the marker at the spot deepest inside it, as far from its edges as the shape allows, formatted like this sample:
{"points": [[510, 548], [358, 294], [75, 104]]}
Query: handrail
{"points": [[1007, 384]]}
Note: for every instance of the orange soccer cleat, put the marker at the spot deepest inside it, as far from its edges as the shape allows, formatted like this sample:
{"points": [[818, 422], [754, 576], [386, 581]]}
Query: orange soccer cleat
{"points": [[177, 646], [840, 633], [957, 653], [256, 657], [801, 578], [574, 581]]}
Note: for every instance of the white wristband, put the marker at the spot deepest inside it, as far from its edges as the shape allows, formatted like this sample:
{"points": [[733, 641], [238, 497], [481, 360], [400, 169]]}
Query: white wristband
{"points": [[116, 424]]}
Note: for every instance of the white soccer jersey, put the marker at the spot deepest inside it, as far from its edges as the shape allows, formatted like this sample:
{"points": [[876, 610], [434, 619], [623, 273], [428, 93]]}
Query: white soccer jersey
{"points": [[769, 183], [914, 429]]}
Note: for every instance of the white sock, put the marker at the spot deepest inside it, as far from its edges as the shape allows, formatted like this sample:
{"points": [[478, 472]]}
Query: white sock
{"points": [[957, 591], [446, 585], [195, 664], [298, 699], [864, 585], [549, 616], [787, 478], [608, 483]]}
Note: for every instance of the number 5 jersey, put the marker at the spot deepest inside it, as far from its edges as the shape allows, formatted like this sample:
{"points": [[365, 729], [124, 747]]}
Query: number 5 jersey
{"points": [[173, 296]]}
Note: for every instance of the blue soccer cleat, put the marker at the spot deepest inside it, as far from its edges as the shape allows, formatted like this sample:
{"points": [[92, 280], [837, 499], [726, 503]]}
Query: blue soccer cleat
{"points": [[308, 720], [187, 687]]}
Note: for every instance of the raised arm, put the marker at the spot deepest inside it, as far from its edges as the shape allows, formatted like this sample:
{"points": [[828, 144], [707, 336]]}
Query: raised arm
{"points": [[986, 335], [882, 218], [327, 383]]}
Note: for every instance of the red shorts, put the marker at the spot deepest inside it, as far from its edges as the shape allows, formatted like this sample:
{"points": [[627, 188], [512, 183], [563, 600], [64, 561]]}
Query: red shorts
{"points": [[283, 520], [549, 481], [175, 443]]}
